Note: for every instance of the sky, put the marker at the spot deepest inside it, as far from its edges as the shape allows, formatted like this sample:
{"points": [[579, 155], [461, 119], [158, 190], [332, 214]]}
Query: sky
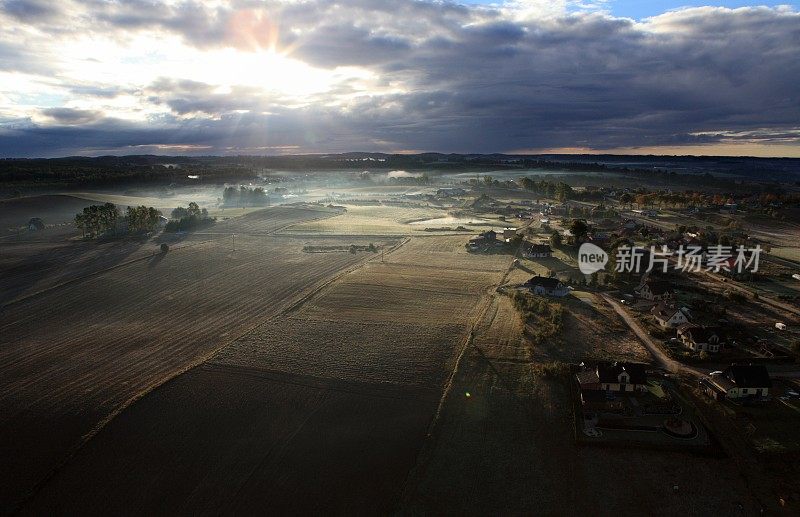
{"points": [[196, 77]]}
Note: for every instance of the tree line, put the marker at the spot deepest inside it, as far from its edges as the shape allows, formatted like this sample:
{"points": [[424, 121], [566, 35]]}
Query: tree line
{"points": [[188, 219], [96, 220], [551, 189]]}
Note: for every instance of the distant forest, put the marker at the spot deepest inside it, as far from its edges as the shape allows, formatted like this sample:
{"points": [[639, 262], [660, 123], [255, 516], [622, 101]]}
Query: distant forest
{"points": [[182, 170]]}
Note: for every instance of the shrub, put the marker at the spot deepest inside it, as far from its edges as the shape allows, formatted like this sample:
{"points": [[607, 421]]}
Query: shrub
{"points": [[164, 247]]}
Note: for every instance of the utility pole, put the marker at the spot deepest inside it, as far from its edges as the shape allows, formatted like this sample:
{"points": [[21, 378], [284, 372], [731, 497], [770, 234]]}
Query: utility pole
{"points": [[234, 241]]}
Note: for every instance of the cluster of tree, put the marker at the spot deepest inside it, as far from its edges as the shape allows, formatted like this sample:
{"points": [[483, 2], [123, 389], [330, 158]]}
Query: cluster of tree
{"points": [[97, 219], [549, 315], [193, 210], [189, 219], [142, 219], [244, 197], [558, 190]]}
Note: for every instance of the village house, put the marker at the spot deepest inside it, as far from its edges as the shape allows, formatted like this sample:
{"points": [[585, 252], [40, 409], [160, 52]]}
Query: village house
{"points": [[545, 286], [669, 316], [484, 240], [701, 339], [537, 251], [655, 290], [738, 381], [616, 377], [509, 233]]}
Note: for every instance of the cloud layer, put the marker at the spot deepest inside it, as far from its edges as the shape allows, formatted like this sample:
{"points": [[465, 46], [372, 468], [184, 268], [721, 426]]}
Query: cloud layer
{"points": [[135, 76]]}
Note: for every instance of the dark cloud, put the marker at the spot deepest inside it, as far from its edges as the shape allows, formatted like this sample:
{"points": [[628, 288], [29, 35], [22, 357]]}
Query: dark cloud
{"points": [[31, 11], [70, 116], [464, 79]]}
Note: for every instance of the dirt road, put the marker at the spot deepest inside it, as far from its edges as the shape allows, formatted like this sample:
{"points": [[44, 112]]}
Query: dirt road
{"points": [[661, 358]]}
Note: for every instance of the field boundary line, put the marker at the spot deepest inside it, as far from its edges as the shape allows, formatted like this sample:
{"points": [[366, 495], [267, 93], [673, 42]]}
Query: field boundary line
{"points": [[427, 447]]}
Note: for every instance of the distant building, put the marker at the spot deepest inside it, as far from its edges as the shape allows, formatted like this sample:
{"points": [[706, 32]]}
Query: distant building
{"points": [[655, 290], [450, 192], [670, 316], [545, 286], [537, 251], [739, 381], [701, 339]]}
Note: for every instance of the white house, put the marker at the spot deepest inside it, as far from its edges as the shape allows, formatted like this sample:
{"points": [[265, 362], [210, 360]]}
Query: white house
{"points": [[739, 381], [670, 316], [617, 377], [547, 286], [655, 290], [701, 339], [537, 251]]}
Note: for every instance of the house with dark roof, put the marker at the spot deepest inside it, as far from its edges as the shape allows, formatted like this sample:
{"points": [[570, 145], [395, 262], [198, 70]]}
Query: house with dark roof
{"points": [[701, 339], [616, 376], [537, 251], [655, 290], [546, 286], [739, 381], [484, 240], [670, 316]]}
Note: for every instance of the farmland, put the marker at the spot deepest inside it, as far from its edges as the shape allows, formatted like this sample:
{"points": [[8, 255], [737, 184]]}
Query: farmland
{"points": [[77, 354], [379, 220], [324, 358]]}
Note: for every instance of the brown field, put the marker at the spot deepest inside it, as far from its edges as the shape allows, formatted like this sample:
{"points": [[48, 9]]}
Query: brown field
{"points": [[446, 251], [220, 440], [53, 209], [75, 355], [322, 405]]}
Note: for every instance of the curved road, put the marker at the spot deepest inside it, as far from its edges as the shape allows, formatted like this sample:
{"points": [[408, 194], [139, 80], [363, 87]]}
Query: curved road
{"points": [[661, 358]]}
